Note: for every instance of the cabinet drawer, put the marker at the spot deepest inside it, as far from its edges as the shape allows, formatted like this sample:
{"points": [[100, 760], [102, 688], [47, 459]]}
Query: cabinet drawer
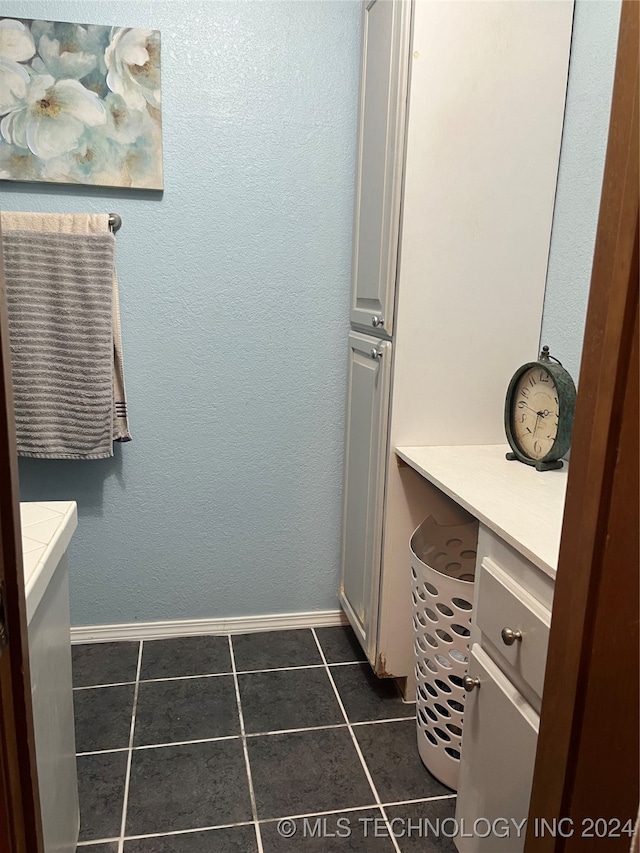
{"points": [[504, 605]]}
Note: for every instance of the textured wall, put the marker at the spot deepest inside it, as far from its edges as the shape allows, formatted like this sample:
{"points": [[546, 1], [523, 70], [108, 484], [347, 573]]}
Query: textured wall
{"points": [[234, 291], [584, 143]]}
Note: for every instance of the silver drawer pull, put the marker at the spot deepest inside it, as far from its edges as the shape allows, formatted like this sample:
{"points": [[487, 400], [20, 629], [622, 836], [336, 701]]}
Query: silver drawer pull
{"points": [[377, 321], [376, 353], [509, 636], [470, 684]]}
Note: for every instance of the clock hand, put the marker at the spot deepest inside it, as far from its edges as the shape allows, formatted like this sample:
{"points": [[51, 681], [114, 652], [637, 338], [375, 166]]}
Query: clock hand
{"points": [[538, 414]]}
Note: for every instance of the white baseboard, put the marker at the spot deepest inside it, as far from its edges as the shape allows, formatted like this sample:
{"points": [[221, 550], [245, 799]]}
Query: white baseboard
{"points": [[194, 627]]}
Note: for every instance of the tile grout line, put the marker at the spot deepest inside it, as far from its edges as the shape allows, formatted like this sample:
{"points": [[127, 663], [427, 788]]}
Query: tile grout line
{"points": [[172, 833], [143, 746], [102, 752], [385, 720], [357, 745], [295, 731], [252, 793], [132, 730], [420, 800], [214, 675], [357, 808], [350, 810]]}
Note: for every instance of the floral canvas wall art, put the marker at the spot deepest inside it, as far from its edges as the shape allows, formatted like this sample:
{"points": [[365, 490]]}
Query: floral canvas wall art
{"points": [[80, 104]]}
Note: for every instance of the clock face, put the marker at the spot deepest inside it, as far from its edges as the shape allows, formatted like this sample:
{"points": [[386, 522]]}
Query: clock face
{"points": [[535, 413]]}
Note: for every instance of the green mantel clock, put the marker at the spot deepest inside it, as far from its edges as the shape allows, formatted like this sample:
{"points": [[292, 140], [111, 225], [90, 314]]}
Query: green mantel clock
{"points": [[538, 413]]}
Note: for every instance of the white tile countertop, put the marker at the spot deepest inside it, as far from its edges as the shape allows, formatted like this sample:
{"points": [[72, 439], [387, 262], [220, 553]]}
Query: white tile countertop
{"points": [[47, 529], [523, 506]]}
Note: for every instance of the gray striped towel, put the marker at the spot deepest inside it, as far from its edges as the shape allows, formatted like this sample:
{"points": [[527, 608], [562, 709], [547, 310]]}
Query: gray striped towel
{"points": [[64, 331]]}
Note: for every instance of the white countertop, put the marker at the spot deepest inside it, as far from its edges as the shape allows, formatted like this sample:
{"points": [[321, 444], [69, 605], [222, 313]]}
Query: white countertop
{"points": [[523, 506], [47, 529]]}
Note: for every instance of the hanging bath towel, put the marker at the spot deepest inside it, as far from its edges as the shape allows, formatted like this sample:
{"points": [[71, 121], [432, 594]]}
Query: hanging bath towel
{"points": [[64, 331]]}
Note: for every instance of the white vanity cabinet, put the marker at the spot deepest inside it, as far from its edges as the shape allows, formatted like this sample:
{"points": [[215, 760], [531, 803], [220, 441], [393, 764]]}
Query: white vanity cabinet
{"points": [[510, 635], [460, 127], [499, 749], [47, 529], [520, 514]]}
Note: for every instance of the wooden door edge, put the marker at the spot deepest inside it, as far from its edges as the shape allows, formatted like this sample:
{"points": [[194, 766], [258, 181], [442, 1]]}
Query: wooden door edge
{"points": [[608, 341]]}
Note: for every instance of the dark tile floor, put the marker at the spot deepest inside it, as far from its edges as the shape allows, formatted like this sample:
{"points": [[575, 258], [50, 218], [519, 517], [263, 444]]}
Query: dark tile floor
{"points": [[205, 745]]}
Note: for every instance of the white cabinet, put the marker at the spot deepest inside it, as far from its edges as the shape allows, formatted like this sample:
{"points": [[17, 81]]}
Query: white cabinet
{"points": [[46, 577], [379, 172], [369, 375], [510, 634], [458, 150], [500, 732]]}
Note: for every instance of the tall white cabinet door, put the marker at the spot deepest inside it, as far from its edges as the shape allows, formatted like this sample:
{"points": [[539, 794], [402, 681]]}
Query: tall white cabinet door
{"points": [[383, 92], [366, 444], [500, 732]]}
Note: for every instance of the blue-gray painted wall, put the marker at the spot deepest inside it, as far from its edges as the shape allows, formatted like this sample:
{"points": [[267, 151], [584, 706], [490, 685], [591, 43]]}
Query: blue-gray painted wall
{"points": [[234, 287], [584, 143], [234, 291]]}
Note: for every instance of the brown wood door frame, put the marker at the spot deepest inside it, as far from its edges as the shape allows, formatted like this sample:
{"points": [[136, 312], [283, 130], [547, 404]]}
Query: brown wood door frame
{"points": [[587, 758], [20, 820]]}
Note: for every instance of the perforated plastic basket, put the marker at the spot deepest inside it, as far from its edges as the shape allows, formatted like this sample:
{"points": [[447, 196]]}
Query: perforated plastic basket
{"points": [[442, 570]]}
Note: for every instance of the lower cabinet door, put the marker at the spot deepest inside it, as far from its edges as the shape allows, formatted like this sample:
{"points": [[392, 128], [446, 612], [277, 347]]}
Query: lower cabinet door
{"points": [[366, 445], [500, 733]]}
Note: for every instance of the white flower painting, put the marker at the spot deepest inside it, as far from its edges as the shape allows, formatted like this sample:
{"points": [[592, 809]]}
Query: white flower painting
{"points": [[80, 104]]}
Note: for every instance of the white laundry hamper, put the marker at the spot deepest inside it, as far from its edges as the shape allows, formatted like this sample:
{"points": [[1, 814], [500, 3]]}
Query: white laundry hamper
{"points": [[443, 561]]}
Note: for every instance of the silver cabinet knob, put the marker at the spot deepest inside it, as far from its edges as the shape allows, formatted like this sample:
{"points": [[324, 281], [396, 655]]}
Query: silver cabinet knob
{"points": [[470, 684], [509, 636], [376, 353], [377, 321]]}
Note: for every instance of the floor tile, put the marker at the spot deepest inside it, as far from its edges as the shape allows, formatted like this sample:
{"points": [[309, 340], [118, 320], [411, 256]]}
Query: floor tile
{"points": [[237, 839], [391, 753], [288, 699], [180, 656], [307, 772], [104, 663], [274, 649], [103, 717], [366, 697], [415, 835], [105, 847], [101, 790], [341, 832], [187, 787], [340, 644], [188, 709]]}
